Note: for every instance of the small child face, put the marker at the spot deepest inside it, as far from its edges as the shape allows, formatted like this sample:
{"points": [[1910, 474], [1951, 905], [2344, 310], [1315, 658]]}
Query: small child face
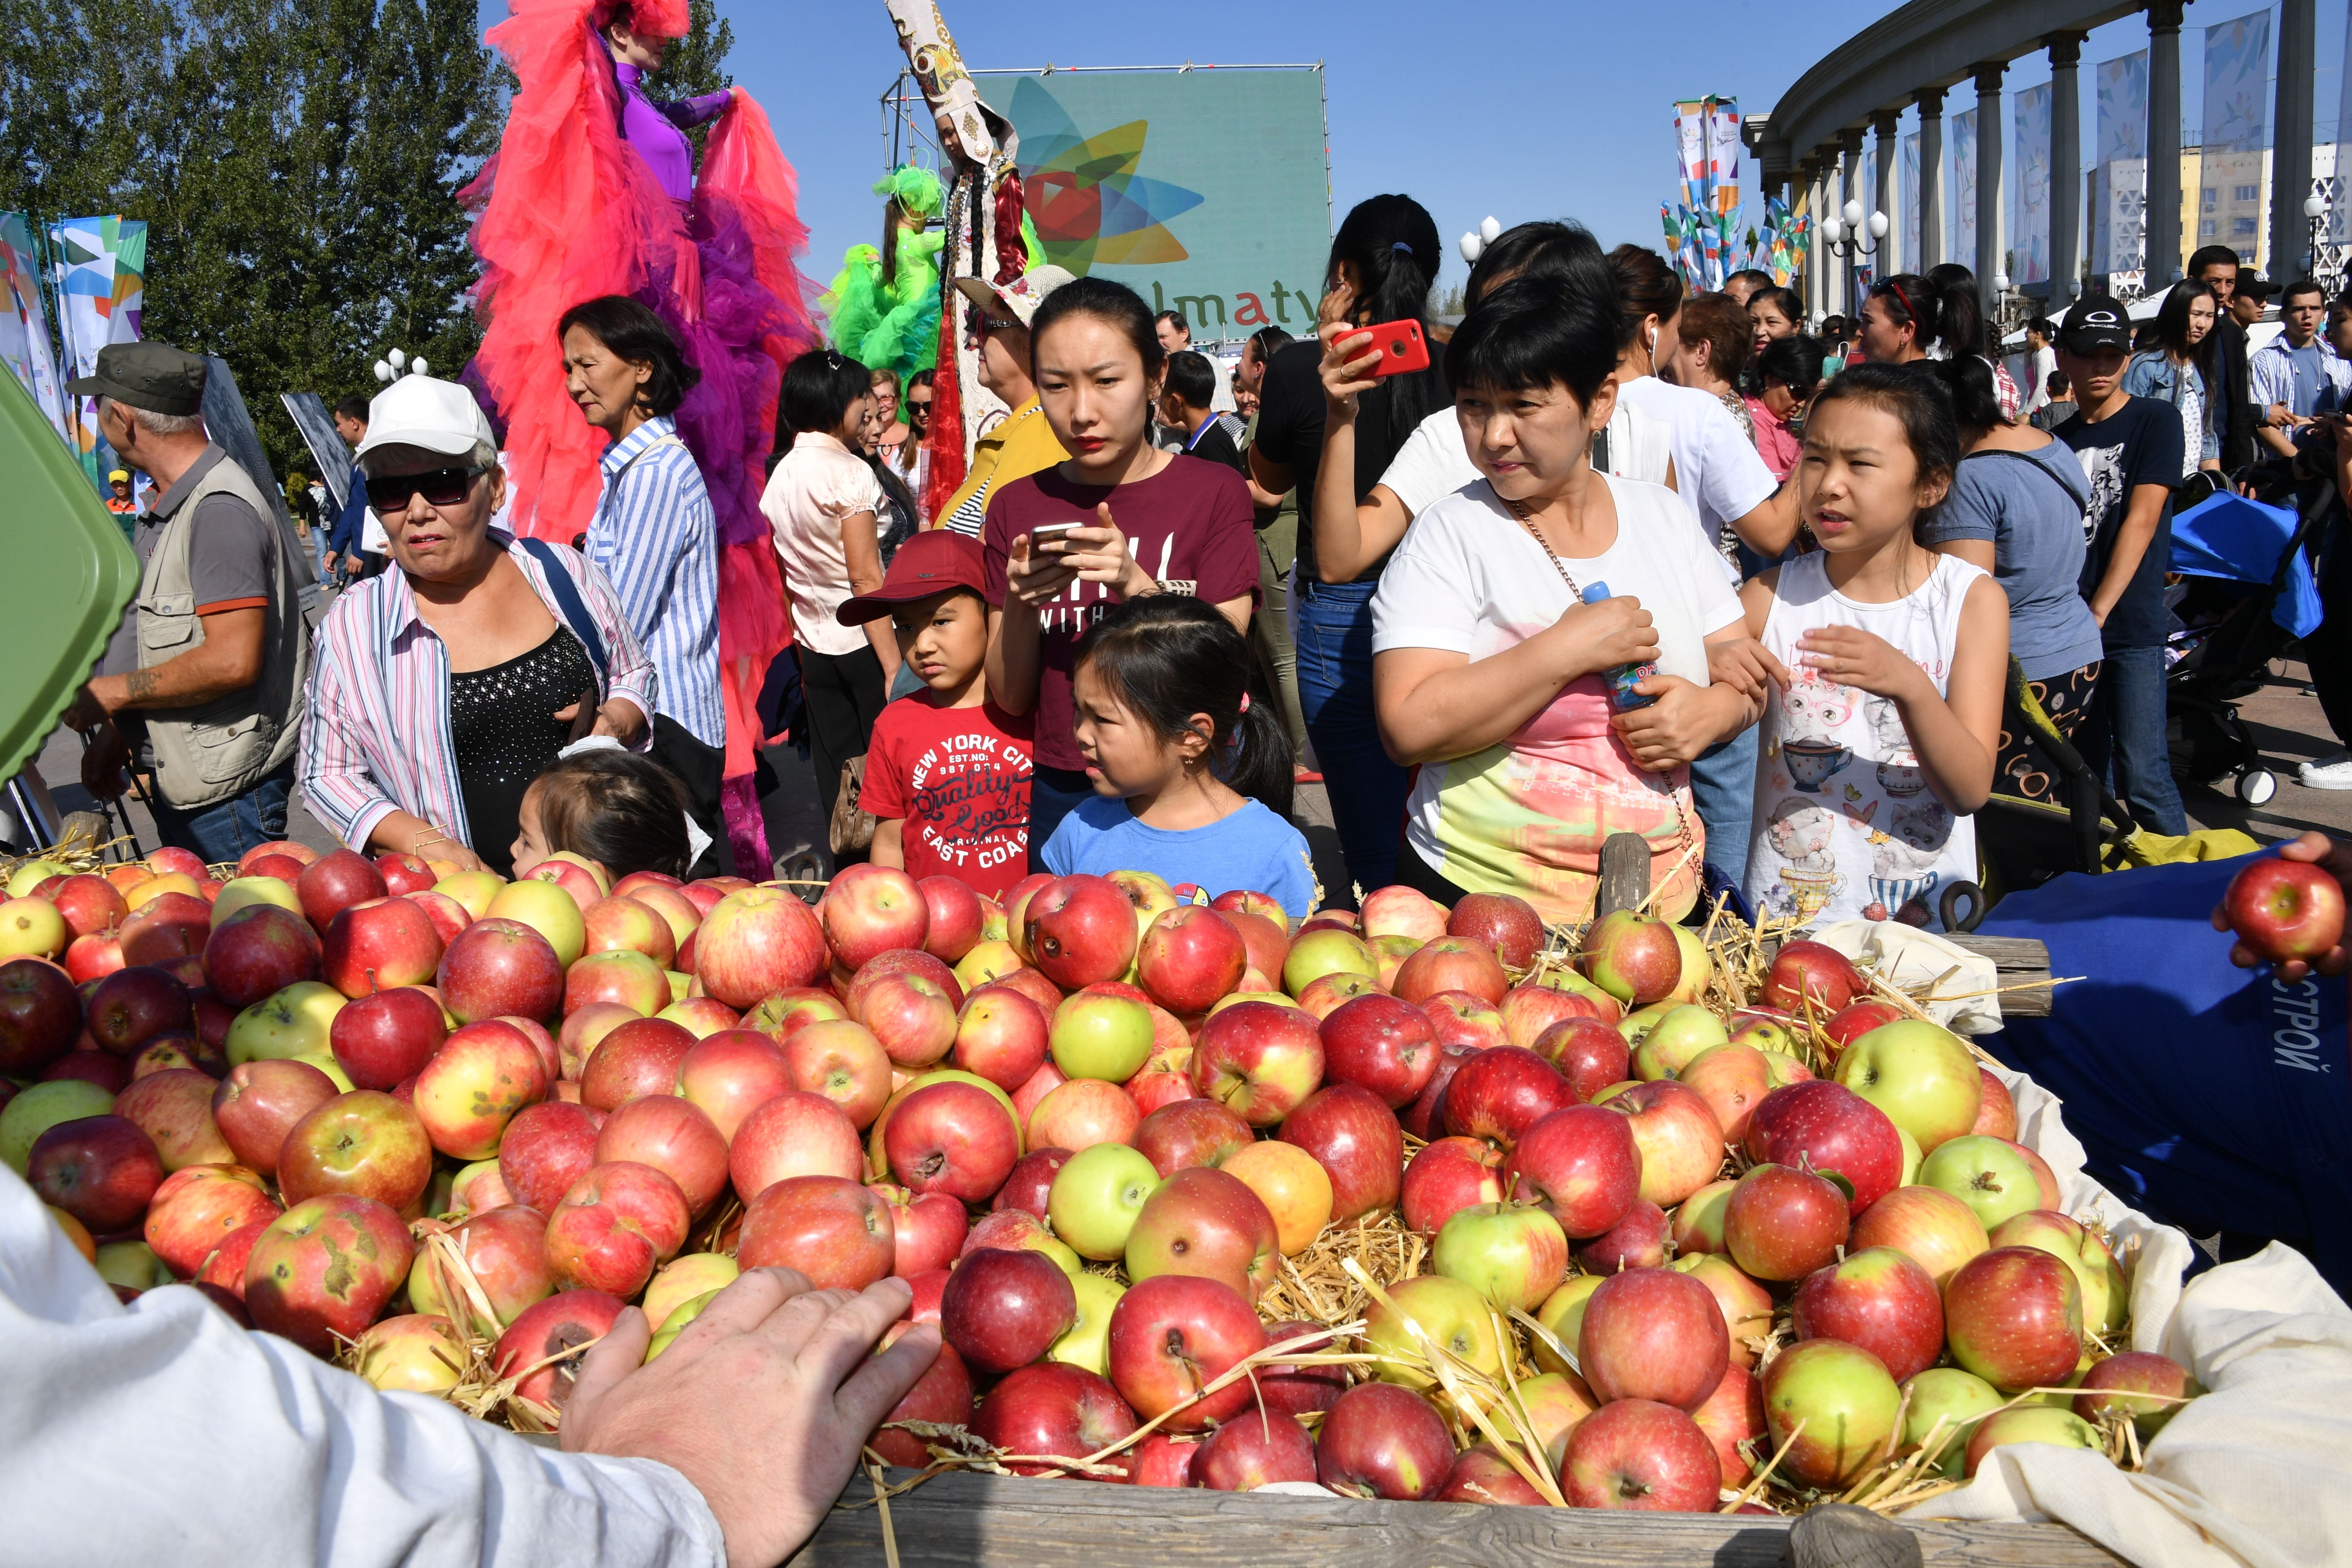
{"points": [[530, 846], [1859, 484], [944, 639], [1124, 755]]}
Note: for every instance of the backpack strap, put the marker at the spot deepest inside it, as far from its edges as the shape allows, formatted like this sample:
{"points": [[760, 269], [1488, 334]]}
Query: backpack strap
{"points": [[2052, 475], [575, 609]]}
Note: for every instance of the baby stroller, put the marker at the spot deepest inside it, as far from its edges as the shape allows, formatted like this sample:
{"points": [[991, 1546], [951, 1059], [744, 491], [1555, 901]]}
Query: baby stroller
{"points": [[2251, 595]]}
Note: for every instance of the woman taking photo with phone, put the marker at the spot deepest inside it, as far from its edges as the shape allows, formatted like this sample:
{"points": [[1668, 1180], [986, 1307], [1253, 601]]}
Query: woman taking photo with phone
{"points": [[1382, 263], [1117, 520]]}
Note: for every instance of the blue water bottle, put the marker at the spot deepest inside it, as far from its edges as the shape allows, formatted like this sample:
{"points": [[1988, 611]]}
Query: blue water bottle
{"points": [[1621, 680]]}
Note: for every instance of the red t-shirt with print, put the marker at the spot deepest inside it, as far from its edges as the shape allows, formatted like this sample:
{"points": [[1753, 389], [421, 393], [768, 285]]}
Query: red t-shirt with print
{"points": [[959, 778], [1191, 525]]}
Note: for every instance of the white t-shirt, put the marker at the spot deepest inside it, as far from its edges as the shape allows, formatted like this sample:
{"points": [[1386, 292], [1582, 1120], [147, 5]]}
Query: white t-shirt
{"points": [[1528, 816], [1432, 463], [1715, 465], [1844, 819]]}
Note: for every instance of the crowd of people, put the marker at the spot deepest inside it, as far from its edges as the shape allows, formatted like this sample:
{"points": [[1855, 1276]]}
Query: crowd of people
{"points": [[1821, 553]]}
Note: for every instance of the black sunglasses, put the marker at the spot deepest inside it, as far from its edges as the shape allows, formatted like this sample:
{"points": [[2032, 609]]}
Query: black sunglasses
{"points": [[440, 488]]}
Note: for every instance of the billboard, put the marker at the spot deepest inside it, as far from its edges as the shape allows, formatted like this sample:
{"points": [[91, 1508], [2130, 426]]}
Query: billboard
{"points": [[2030, 239], [2122, 162], [1205, 191]]}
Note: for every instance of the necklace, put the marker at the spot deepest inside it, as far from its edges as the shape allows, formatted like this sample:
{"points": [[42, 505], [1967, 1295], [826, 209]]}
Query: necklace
{"points": [[1519, 510]]}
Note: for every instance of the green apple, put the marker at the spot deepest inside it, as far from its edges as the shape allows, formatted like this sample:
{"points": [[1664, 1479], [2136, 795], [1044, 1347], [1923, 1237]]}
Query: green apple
{"points": [[1846, 1404], [1563, 1313], [1087, 1343], [1911, 1158], [675, 1324], [1636, 1024], [133, 1264], [1448, 1311], [681, 1280], [1102, 1037], [1327, 951], [293, 1023], [42, 1106], [1675, 1039], [1921, 1076], [1986, 1174], [32, 927], [1515, 1255], [32, 874], [326, 1063], [1955, 1397], [243, 892], [2031, 1424], [1096, 1197], [549, 911]]}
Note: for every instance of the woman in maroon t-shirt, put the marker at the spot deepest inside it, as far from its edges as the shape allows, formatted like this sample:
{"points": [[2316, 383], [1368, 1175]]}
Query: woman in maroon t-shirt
{"points": [[1117, 519]]}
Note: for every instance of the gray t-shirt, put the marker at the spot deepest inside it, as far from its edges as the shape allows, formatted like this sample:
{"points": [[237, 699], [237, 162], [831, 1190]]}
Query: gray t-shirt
{"points": [[228, 557], [2030, 504]]}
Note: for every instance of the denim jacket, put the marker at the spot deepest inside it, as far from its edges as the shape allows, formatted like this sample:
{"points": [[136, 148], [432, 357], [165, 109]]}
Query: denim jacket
{"points": [[2152, 374]]}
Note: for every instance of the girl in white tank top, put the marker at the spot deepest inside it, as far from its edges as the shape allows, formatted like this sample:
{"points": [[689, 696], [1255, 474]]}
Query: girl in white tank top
{"points": [[1886, 665]]}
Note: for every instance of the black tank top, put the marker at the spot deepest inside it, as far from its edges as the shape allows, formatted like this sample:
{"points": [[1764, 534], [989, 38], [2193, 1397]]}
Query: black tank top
{"points": [[502, 722]]}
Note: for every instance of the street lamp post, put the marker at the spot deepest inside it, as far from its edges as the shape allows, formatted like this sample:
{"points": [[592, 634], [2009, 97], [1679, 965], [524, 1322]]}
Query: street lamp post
{"points": [[1841, 232], [2321, 261]]}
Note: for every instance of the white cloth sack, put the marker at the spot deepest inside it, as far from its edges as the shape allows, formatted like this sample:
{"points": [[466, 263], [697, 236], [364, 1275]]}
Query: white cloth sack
{"points": [[2258, 1472], [1951, 984]]}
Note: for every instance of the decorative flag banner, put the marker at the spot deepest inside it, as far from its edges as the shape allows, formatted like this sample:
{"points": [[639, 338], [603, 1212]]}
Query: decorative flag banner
{"points": [[2122, 163], [1963, 187], [84, 259], [2237, 75], [25, 321], [1909, 195], [1705, 235], [2030, 239]]}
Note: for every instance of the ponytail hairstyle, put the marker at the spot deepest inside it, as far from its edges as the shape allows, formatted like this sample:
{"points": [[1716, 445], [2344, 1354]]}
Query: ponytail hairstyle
{"points": [[1976, 400], [1646, 287], [1392, 243], [1168, 656], [1960, 323], [624, 811], [1915, 393]]}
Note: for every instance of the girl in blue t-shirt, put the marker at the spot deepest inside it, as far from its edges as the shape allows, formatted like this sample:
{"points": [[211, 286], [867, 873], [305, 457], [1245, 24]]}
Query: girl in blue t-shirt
{"points": [[1192, 782]]}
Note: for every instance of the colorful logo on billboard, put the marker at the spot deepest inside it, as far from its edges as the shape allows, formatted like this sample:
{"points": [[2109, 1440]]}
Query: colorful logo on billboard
{"points": [[1090, 207]]}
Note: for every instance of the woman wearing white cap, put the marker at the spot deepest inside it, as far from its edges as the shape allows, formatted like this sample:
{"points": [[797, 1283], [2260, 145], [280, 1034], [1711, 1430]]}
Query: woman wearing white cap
{"points": [[442, 688]]}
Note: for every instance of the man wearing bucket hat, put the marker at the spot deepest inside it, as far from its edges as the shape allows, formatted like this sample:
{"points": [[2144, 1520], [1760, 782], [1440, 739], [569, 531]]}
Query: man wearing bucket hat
{"points": [[1023, 443], [206, 676]]}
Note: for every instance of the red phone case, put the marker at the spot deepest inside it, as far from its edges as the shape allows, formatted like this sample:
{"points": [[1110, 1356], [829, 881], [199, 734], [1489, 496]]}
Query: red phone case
{"points": [[1402, 346]]}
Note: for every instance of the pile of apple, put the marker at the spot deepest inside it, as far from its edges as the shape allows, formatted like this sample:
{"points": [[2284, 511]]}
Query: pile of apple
{"points": [[414, 1115]]}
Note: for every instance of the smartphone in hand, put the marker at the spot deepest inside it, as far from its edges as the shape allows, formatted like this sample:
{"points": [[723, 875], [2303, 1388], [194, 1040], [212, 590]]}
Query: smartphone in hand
{"points": [[1402, 347]]}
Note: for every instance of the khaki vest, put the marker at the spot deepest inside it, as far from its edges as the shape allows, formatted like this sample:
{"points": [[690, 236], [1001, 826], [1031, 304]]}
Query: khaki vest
{"points": [[208, 755]]}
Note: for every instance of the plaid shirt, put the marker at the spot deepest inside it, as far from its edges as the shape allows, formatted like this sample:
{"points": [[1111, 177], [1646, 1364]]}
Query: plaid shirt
{"points": [[375, 739], [655, 537]]}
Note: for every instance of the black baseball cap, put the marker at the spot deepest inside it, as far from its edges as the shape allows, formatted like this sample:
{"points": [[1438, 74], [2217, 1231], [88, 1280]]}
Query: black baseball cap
{"points": [[2256, 288], [154, 376], [2094, 322]]}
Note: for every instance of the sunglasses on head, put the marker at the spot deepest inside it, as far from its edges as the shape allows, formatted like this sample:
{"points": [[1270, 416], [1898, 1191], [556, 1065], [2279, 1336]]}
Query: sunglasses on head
{"points": [[440, 488]]}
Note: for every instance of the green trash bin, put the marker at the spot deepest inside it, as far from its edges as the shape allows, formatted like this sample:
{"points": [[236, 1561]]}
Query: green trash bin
{"points": [[66, 575]]}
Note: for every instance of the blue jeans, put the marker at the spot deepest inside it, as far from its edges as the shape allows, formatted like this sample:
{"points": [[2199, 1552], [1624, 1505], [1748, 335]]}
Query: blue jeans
{"points": [[1368, 792], [1053, 794], [221, 832], [2123, 739], [1723, 781]]}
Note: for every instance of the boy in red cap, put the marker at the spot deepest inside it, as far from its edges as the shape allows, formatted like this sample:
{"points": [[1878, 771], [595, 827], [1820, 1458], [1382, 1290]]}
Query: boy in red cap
{"points": [[947, 773]]}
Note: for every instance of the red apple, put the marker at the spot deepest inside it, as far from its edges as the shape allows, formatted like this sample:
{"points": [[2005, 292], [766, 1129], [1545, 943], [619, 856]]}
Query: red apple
{"points": [[1583, 1162], [1807, 975], [1458, 1018], [953, 1138], [1641, 1454], [1425, 1117], [197, 1209], [844, 1062], [173, 925], [103, 1068], [1204, 1222], [928, 1231], [1266, 940], [1083, 1112], [1482, 1475], [377, 946], [731, 1073], [1880, 1300], [1927, 1225], [506, 1248], [954, 917], [1299, 1388], [94, 956], [554, 1332], [1530, 1010], [794, 1134], [1355, 1138], [1170, 1337], [1782, 1223], [259, 950], [547, 1149], [1189, 1132], [622, 924], [1003, 1309], [383, 1039], [701, 1017], [2013, 1316], [1029, 1096], [1733, 1080], [1243, 1456], [1078, 930], [363, 1144], [1635, 958], [473, 1086], [1447, 1177], [870, 909], [2117, 1386], [499, 966], [132, 1006], [1499, 1094], [1453, 963], [942, 1395], [1189, 957], [1162, 1460], [1681, 1143], [1637, 1241], [40, 1014], [755, 942], [672, 1136], [640, 1057], [101, 1170], [835, 1232], [259, 1102], [175, 1108], [913, 1016], [1259, 1059], [89, 904], [1032, 1182], [2283, 910], [615, 1224], [404, 874], [1382, 1043], [1001, 1036], [326, 1269], [1996, 1109], [1054, 1410], [1382, 1441], [1508, 924], [1829, 1128], [333, 883], [1852, 1021], [1733, 1415]]}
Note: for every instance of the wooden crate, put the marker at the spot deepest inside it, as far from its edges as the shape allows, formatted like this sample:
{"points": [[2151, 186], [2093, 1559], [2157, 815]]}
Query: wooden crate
{"points": [[1000, 1521]]}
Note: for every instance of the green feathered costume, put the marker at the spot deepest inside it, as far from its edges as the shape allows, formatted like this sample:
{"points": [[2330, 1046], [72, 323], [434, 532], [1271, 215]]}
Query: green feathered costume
{"points": [[894, 323]]}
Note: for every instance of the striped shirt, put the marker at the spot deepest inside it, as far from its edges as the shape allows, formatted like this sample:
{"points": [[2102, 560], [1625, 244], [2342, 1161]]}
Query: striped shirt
{"points": [[376, 736], [657, 539]]}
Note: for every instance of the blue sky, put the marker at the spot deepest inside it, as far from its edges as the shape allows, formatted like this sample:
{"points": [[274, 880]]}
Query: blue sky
{"points": [[1511, 107]]}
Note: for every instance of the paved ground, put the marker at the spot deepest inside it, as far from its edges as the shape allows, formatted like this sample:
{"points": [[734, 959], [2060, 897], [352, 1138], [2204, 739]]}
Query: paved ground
{"points": [[2284, 717]]}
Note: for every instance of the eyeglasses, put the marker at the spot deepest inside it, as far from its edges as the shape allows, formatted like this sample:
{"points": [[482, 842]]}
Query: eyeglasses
{"points": [[440, 488], [920, 407]]}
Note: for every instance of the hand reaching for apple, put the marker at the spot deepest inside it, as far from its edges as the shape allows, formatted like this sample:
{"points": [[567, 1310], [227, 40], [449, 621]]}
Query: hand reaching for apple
{"points": [[762, 1402], [2300, 937]]}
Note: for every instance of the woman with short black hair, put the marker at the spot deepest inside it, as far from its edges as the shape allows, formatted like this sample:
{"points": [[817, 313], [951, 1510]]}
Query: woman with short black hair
{"points": [[823, 501]]}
